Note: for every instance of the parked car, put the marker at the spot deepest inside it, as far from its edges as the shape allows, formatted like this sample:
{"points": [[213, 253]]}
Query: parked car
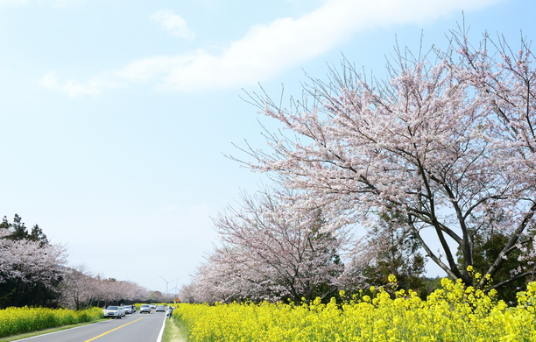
{"points": [[145, 308], [133, 308], [128, 309], [113, 311], [122, 311], [153, 306], [160, 308]]}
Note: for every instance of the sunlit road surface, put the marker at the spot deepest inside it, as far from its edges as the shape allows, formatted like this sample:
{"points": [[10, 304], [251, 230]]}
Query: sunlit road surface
{"points": [[133, 328]]}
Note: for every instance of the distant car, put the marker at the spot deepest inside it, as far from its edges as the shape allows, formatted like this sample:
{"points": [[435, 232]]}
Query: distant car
{"points": [[128, 309], [113, 311], [153, 306], [160, 308], [145, 308]]}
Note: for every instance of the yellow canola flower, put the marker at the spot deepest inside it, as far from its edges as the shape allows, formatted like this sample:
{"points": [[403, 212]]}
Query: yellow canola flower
{"points": [[452, 313], [15, 320]]}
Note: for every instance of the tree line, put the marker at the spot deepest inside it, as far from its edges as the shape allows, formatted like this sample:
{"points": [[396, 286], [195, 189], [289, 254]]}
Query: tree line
{"points": [[34, 272], [436, 163]]}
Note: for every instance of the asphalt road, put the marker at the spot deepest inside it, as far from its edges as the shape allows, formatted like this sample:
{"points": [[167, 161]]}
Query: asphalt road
{"points": [[133, 328]]}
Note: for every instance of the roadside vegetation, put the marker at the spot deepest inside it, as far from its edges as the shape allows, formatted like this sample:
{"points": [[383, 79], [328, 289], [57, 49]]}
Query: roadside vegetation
{"points": [[173, 332], [14, 321], [453, 313], [372, 179], [434, 163]]}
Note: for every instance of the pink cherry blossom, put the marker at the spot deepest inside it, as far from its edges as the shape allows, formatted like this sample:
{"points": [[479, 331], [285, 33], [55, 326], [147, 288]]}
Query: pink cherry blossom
{"points": [[448, 141]]}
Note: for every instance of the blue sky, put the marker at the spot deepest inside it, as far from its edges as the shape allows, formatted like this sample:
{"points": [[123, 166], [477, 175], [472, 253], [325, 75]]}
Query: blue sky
{"points": [[115, 114]]}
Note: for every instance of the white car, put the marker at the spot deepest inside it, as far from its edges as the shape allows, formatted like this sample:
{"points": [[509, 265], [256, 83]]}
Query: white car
{"points": [[113, 311], [128, 309], [145, 308]]}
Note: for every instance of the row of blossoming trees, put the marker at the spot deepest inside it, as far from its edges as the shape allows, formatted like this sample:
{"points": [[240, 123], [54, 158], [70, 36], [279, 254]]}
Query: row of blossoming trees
{"points": [[80, 288], [271, 249], [34, 272], [444, 148]]}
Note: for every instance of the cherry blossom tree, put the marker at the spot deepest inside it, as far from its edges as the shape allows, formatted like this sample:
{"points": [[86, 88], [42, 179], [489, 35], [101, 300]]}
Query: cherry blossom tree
{"points": [[77, 288], [219, 279], [186, 293], [27, 265], [112, 291], [34, 271], [447, 141], [274, 248]]}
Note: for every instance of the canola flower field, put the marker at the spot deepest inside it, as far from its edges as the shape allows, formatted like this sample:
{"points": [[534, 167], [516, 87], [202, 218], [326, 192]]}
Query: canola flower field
{"points": [[452, 313], [15, 321]]}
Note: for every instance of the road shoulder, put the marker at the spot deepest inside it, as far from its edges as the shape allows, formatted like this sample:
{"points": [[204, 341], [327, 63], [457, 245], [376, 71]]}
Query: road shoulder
{"points": [[172, 332]]}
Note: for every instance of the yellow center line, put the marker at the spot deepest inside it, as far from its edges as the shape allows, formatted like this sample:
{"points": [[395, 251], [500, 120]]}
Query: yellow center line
{"points": [[124, 325]]}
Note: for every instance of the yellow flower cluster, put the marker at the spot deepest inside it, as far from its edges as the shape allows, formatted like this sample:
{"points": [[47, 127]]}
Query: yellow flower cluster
{"points": [[452, 313], [15, 321]]}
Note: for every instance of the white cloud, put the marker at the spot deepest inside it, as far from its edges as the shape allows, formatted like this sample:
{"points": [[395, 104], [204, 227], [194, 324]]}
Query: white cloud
{"points": [[267, 50], [173, 23], [72, 88], [50, 80]]}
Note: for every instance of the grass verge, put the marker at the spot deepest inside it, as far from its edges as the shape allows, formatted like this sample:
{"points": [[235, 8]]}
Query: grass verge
{"points": [[172, 333]]}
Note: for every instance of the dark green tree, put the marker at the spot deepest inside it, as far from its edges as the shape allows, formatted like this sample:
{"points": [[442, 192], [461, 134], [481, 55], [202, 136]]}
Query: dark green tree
{"points": [[20, 231], [398, 254], [486, 249], [12, 291]]}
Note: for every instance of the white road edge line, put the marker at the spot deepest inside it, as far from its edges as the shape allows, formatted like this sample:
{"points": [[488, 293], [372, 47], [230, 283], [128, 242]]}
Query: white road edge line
{"points": [[159, 339]]}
